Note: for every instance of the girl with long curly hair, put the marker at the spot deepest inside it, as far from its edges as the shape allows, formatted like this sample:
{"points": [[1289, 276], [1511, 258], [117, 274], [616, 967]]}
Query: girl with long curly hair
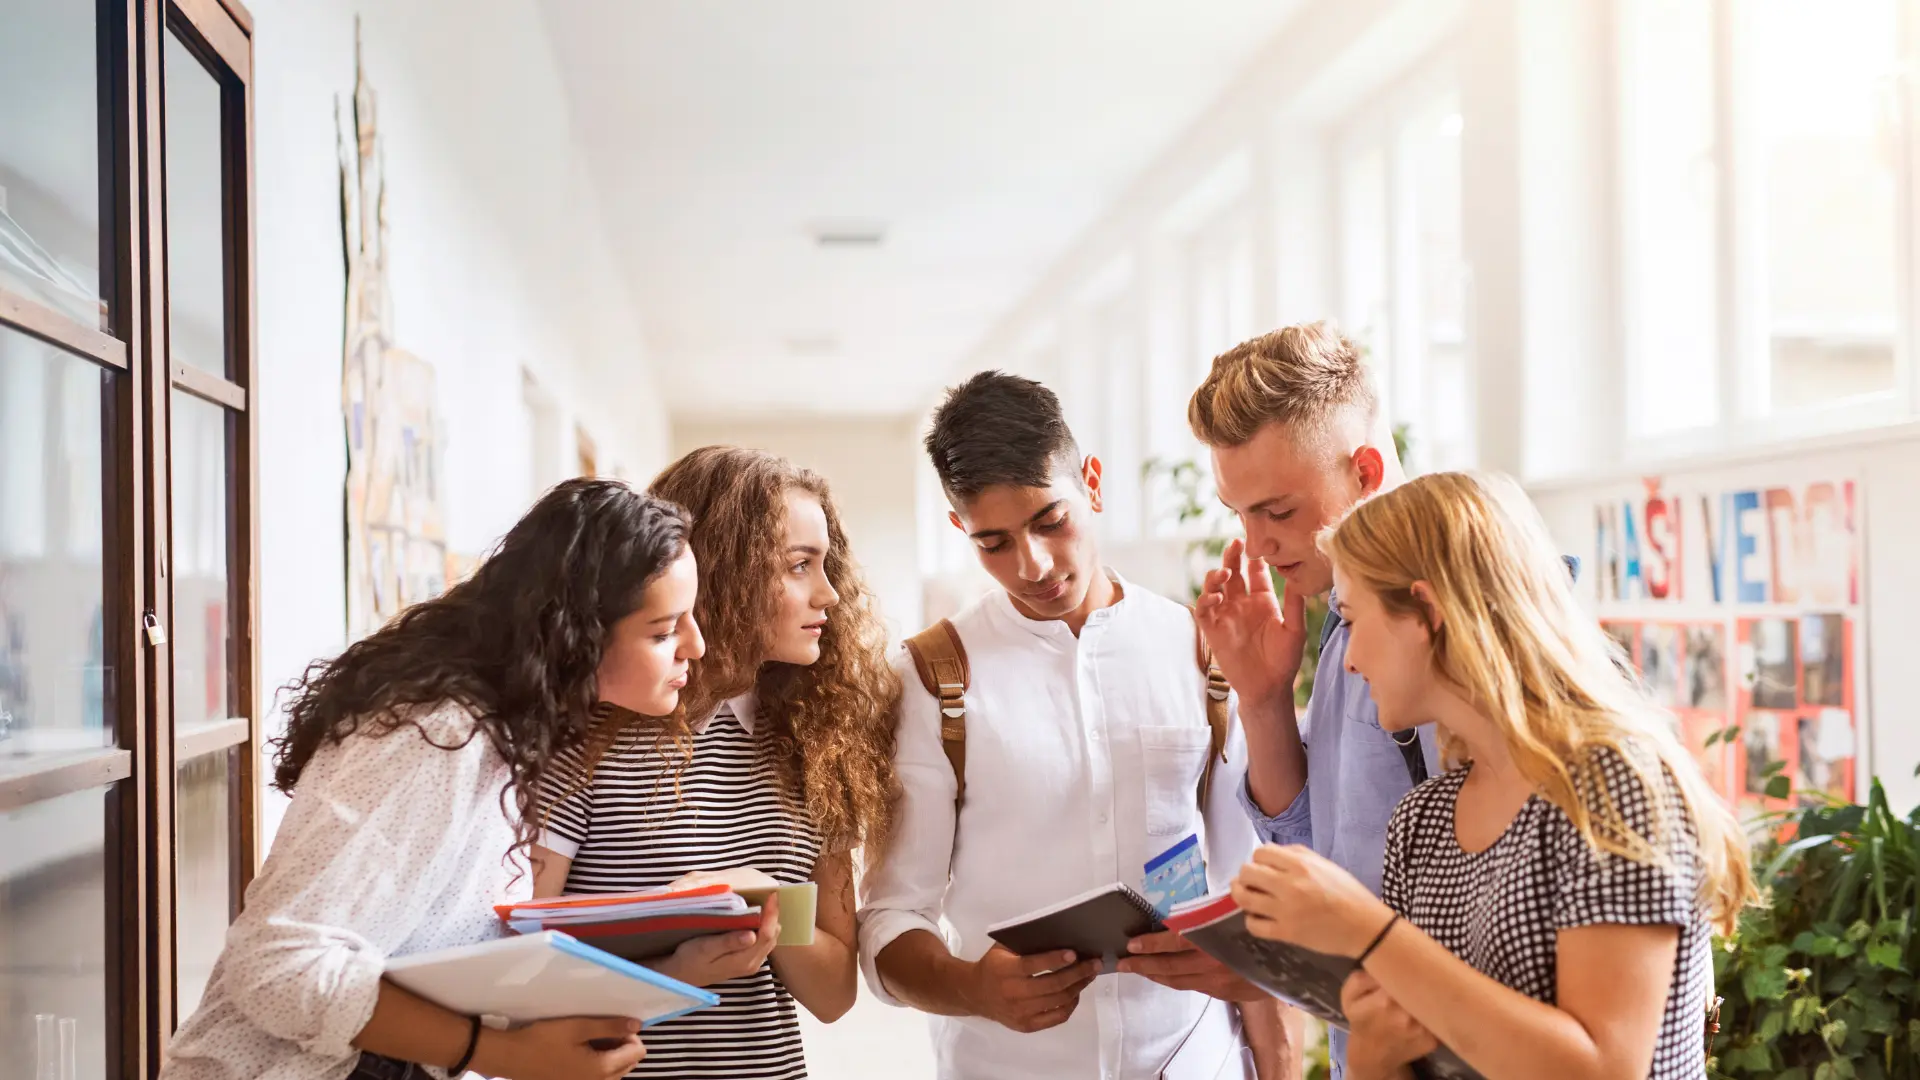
{"points": [[413, 759], [780, 758]]}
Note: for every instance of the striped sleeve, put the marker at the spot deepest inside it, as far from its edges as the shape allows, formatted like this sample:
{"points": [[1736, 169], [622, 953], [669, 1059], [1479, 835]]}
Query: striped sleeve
{"points": [[566, 805]]}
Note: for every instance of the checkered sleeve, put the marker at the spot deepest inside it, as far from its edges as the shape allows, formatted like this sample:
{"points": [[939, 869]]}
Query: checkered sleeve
{"points": [[1593, 886], [1396, 866]]}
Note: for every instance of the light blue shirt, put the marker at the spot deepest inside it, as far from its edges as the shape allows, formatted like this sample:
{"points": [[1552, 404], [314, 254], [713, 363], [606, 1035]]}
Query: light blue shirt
{"points": [[1355, 777]]}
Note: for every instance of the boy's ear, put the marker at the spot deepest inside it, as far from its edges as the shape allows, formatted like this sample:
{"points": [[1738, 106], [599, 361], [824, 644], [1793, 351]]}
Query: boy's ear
{"points": [[954, 516], [1372, 469], [1090, 476]]}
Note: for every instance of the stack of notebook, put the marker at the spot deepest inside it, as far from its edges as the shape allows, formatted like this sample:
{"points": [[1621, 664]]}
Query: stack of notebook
{"points": [[650, 924]]}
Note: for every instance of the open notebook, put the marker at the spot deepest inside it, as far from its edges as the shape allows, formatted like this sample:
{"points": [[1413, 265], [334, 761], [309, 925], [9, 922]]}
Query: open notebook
{"points": [[544, 976], [1095, 924], [1308, 979]]}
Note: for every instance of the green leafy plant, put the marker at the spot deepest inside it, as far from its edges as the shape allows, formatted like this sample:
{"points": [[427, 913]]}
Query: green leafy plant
{"points": [[1190, 499], [1819, 980], [1317, 1061]]}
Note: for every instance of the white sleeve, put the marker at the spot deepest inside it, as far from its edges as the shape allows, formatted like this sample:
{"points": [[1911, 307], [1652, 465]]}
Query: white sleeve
{"points": [[907, 890], [1230, 836], [373, 836]]}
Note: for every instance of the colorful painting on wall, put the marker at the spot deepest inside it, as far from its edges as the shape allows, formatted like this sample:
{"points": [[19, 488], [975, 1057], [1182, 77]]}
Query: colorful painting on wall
{"points": [[1741, 609], [395, 527]]}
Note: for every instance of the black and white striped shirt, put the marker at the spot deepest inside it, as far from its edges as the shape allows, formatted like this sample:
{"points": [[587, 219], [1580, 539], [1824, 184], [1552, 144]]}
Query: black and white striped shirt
{"points": [[631, 829]]}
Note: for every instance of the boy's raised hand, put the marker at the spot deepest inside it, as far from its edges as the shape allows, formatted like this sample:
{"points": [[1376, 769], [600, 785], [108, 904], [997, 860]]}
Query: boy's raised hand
{"points": [[1257, 645]]}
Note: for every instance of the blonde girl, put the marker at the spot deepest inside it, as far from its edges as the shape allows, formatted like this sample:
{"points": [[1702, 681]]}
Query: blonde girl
{"points": [[1548, 902]]}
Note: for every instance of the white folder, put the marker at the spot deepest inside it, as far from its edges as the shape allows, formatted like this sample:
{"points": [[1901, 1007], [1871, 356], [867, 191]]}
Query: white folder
{"points": [[544, 976]]}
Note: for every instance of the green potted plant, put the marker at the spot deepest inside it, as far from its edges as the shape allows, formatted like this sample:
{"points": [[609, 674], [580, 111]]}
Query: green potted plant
{"points": [[1819, 978]]}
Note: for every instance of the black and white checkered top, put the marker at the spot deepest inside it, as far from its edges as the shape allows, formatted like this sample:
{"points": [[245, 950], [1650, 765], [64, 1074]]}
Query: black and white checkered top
{"points": [[1500, 909]]}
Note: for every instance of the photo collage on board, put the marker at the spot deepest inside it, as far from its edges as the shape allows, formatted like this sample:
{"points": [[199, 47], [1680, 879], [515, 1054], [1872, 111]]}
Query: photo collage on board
{"points": [[1739, 604], [1685, 668], [1786, 686], [1796, 705]]}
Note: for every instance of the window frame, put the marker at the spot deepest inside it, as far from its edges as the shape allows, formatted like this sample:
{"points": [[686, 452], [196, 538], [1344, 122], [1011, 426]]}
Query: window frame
{"points": [[135, 774], [218, 33]]}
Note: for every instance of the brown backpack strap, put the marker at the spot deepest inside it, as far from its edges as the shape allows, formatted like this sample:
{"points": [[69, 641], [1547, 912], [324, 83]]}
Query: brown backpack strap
{"points": [[941, 661], [1217, 694]]}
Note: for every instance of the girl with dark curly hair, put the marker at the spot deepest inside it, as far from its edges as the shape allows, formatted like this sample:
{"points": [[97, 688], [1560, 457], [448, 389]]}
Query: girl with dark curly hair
{"points": [[780, 759], [413, 759]]}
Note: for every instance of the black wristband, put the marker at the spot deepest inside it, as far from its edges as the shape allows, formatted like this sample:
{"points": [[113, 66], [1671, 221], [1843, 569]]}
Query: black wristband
{"points": [[473, 1043], [1377, 939]]}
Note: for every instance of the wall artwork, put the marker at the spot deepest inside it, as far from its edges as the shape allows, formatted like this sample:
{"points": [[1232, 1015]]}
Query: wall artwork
{"points": [[395, 524], [1741, 609]]}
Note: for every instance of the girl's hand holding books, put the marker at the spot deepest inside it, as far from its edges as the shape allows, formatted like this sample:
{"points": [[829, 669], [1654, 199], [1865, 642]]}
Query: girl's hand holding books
{"points": [[1384, 1037], [1292, 894], [716, 958], [573, 1049]]}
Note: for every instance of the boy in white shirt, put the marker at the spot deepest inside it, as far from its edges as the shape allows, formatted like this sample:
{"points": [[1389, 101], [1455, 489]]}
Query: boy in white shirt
{"points": [[1086, 737]]}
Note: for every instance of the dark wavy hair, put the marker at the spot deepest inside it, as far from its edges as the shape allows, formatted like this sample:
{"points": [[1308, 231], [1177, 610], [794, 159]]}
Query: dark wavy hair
{"points": [[517, 645], [827, 728]]}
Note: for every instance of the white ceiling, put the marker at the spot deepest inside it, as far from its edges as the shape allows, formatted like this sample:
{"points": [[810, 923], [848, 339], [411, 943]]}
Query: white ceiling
{"points": [[986, 134]]}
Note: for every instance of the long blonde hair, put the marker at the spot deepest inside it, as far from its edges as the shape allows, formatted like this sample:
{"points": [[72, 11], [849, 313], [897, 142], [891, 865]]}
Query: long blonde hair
{"points": [[1513, 640]]}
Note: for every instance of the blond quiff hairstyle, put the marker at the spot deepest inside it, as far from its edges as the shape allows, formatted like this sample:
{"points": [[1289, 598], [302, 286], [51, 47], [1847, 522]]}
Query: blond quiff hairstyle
{"points": [[1510, 637], [1300, 376]]}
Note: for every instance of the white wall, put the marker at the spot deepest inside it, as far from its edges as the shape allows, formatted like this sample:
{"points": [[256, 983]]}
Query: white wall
{"points": [[498, 263], [871, 467]]}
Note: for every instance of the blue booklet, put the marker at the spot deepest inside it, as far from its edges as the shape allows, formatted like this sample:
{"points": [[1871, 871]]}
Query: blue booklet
{"points": [[1176, 875]]}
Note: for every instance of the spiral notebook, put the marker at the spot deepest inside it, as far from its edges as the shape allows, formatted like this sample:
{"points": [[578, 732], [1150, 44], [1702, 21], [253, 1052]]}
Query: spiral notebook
{"points": [[1097, 923]]}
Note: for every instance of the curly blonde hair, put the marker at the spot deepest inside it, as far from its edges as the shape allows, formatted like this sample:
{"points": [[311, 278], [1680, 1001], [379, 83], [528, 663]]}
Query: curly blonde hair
{"points": [[828, 727]]}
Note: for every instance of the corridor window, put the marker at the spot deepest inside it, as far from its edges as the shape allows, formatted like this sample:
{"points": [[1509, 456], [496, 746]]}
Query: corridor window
{"points": [[1402, 265], [1432, 387], [1763, 146], [1670, 207], [1363, 249], [1221, 280], [1822, 89]]}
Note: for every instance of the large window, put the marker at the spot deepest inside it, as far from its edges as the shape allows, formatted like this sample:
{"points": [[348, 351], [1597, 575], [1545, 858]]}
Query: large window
{"points": [[1401, 268], [127, 537], [1764, 146]]}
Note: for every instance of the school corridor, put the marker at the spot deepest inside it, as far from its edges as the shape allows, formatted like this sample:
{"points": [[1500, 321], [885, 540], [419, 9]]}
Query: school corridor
{"points": [[303, 303]]}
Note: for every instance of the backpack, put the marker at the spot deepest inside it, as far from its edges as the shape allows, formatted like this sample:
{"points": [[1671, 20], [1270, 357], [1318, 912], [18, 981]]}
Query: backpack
{"points": [[940, 659]]}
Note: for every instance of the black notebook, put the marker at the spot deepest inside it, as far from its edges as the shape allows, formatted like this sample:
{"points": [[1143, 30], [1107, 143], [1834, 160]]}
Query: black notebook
{"points": [[1305, 978], [1095, 924]]}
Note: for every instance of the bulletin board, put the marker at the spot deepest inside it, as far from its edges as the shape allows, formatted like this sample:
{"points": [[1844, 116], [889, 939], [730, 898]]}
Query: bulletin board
{"points": [[1741, 609]]}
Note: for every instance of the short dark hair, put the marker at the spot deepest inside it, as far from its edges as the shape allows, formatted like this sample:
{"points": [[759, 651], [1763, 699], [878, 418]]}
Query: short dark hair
{"points": [[997, 429]]}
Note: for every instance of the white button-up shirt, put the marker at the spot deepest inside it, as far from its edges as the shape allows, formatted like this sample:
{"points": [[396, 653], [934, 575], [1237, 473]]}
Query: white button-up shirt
{"points": [[1084, 757]]}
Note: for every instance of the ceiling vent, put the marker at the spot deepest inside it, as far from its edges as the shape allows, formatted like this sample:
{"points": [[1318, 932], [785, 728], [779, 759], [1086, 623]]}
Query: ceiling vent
{"points": [[848, 233]]}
